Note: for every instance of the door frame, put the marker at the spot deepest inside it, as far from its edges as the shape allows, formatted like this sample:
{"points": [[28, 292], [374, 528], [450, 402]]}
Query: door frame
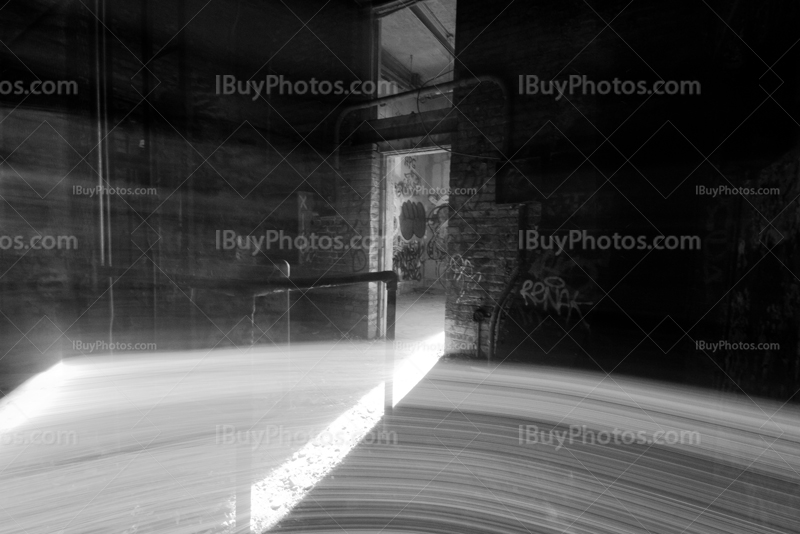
{"points": [[385, 249]]}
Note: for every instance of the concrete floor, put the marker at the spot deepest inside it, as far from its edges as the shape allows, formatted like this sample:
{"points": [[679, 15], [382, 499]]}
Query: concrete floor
{"points": [[149, 426], [451, 459]]}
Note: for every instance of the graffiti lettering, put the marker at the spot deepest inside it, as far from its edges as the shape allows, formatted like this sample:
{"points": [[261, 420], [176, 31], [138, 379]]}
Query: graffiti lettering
{"points": [[552, 293]]}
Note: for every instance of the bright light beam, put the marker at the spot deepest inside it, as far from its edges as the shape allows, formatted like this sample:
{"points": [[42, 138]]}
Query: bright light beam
{"points": [[31, 398], [275, 496]]}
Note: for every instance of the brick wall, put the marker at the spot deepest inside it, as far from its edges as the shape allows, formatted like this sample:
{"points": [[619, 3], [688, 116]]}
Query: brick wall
{"points": [[353, 309], [605, 164]]}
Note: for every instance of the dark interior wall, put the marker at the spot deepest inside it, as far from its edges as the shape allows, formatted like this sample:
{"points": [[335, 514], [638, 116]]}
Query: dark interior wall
{"points": [[213, 162], [626, 164], [37, 135]]}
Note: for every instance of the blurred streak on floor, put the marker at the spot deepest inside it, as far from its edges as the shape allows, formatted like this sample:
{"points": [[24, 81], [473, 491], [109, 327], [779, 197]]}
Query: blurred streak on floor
{"points": [[166, 413], [451, 459], [182, 408]]}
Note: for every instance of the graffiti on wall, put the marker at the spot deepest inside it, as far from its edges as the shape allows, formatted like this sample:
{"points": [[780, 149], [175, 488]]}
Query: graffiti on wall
{"points": [[412, 220], [462, 276], [407, 259], [553, 296], [554, 287], [436, 247], [411, 181], [420, 224]]}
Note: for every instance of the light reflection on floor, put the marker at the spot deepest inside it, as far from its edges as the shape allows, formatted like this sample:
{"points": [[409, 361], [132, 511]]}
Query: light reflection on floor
{"points": [[416, 365], [32, 397], [273, 497], [111, 403]]}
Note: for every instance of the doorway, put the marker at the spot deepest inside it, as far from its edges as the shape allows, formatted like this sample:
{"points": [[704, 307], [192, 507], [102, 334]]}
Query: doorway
{"points": [[416, 207]]}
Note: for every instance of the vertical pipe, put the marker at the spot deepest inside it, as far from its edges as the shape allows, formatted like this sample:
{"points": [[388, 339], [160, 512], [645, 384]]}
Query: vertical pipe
{"points": [[478, 353], [253, 323], [146, 125], [288, 275], [99, 132], [183, 80], [382, 225], [193, 316], [106, 158], [494, 321], [102, 165], [105, 150], [391, 313], [183, 123]]}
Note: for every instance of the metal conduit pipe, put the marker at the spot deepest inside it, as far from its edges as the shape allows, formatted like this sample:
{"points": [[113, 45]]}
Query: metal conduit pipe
{"points": [[519, 270], [424, 91]]}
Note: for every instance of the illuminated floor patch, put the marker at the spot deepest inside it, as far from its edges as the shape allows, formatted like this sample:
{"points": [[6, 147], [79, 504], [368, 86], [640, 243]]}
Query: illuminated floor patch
{"points": [[284, 488], [415, 366], [276, 495], [31, 398]]}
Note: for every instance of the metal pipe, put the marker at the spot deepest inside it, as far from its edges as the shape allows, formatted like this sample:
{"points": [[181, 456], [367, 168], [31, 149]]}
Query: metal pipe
{"points": [[104, 150], [519, 270], [383, 9], [391, 319], [479, 315], [258, 289], [99, 135], [101, 69], [288, 275], [298, 284], [424, 91], [147, 55]]}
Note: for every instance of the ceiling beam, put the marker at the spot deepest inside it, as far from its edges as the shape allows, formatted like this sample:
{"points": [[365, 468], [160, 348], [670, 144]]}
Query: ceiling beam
{"points": [[434, 25], [393, 70], [382, 9]]}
